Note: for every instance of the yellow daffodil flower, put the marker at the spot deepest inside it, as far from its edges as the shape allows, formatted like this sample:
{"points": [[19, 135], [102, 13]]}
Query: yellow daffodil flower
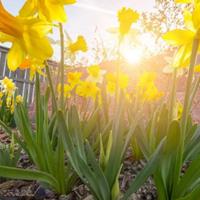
{"points": [[87, 89], [126, 17], [183, 38], [145, 79], [94, 71], [123, 81], [67, 90], [179, 109], [1, 94], [19, 99], [34, 66], [50, 10], [111, 88], [111, 79], [79, 45], [151, 93], [74, 78], [28, 38], [95, 74], [7, 86], [147, 88]]}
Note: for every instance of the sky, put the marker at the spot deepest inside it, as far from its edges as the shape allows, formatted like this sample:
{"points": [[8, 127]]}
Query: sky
{"points": [[86, 16]]}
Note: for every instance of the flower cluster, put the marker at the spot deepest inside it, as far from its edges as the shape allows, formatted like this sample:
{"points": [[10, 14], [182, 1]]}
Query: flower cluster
{"points": [[147, 88], [7, 94], [89, 84]]}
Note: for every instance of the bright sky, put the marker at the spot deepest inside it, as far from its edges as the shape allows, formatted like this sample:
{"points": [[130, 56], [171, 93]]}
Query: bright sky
{"points": [[86, 15]]}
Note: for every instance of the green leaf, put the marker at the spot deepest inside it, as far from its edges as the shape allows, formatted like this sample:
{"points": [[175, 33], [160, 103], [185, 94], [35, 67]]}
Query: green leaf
{"points": [[77, 135], [195, 194], [172, 161], [192, 148], [17, 173], [191, 176], [148, 170]]}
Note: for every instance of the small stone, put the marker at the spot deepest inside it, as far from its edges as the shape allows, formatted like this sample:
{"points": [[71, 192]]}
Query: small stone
{"points": [[40, 193], [149, 197]]}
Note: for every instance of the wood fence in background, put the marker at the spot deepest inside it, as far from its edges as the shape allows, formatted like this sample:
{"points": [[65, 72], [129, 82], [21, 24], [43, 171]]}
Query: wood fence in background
{"points": [[21, 77]]}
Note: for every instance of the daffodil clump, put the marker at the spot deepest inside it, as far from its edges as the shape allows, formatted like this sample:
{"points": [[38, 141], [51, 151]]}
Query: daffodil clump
{"points": [[96, 113], [89, 84], [7, 94], [8, 101]]}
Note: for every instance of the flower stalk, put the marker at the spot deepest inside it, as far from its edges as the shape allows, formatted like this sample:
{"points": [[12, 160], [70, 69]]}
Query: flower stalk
{"points": [[62, 70], [186, 109]]}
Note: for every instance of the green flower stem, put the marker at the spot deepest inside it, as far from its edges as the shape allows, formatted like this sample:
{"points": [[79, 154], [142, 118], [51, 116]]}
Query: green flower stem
{"points": [[117, 95], [194, 91], [172, 96], [189, 86], [51, 86], [62, 70]]}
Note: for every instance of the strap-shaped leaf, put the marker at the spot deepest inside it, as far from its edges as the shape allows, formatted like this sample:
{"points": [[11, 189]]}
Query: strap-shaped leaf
{"points": [[187, 182], [148, 170], [17, 173], [192, 148], [195, 194], [88, 170]]}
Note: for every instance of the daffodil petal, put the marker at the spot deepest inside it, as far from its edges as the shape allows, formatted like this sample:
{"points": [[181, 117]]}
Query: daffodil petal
{"points": [[178, 37], [6, 38], [197, 68], [196, 16], [57, 12], [182, 57], [188, 20], [28, 9], [36, 47], [15, 56], [41, 27]]}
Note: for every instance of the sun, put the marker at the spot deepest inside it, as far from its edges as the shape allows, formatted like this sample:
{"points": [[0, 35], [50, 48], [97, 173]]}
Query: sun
{"points": [[135, 49], [132, 55]]}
